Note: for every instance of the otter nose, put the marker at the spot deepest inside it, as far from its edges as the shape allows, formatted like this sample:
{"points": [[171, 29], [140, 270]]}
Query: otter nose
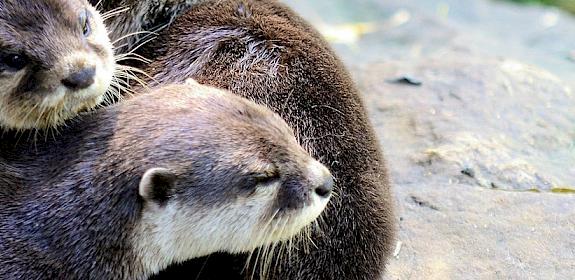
{"points": [[80, 79], [321, 179], [324, 190]]}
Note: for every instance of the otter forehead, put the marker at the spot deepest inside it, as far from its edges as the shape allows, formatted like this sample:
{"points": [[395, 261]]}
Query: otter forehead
{"points": [[39, 13], [218, 115]]}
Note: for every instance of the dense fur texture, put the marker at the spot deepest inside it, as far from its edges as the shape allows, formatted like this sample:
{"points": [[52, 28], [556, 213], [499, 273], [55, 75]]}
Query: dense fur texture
{"points": [[132, 21], [263, 51], [162, 178], [55, 60]]}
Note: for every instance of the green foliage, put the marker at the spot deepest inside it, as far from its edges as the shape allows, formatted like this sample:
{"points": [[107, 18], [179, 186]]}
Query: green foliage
{"points": [[568, 5]]}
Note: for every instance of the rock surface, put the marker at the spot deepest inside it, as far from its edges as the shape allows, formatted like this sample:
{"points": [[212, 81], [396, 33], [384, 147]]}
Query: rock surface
{"points": [[475, 108]]}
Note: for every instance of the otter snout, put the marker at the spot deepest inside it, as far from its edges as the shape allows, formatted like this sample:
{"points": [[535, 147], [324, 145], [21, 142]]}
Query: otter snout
{"points": [[320, 179], [80, 79], [324, 190]]}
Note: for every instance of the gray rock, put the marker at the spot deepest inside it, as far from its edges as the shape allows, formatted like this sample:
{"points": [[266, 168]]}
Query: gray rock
{"points": [[478, 154], [510, 125]]}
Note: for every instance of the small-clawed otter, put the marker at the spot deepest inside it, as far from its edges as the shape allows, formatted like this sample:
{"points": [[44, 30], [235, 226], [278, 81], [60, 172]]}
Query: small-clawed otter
{"points": [[262, 50], [55, 60], [165, 177]]}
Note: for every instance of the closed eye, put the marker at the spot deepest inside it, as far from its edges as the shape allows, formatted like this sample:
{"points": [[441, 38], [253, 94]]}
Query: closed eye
{"points": [[267, 178]]}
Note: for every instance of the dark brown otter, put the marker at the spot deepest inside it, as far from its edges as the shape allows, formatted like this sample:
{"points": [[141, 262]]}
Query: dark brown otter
{"points": [[159, 179], [55, 60], [264, 51]]}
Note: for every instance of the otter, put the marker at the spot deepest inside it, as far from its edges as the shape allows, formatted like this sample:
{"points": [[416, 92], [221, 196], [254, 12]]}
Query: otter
{"points": [[179, 173], [262, 50], [56, 60]]}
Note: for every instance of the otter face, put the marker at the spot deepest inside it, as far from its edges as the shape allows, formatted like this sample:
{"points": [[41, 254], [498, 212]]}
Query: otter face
{"points": [[250, 184], [55, 61]]}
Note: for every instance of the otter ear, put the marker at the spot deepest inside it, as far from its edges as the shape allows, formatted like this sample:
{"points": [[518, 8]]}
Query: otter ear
{"points": [[157, 185]]}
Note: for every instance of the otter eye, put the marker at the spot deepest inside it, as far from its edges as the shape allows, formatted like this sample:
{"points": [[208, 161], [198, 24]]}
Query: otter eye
{"points": [[85, 23], [266, 178], [14, 62]]}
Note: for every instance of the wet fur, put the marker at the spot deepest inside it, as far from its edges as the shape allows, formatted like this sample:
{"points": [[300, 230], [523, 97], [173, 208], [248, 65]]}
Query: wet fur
{"points": [[265, 52]]}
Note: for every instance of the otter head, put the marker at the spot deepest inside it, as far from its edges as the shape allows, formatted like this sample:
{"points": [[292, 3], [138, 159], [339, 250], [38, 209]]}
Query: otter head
{"points": [[55, 61], [240, 180]]}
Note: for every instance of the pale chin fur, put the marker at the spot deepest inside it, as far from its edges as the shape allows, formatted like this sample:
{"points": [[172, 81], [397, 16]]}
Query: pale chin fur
{"points": [[174, 233]]}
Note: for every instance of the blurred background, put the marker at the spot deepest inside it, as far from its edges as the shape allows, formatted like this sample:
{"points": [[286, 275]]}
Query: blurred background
{"points": [[474, 104]]}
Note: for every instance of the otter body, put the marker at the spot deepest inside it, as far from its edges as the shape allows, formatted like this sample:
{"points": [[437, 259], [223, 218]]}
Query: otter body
{"points": [[263, 51], [160, 179], [55, 60]]}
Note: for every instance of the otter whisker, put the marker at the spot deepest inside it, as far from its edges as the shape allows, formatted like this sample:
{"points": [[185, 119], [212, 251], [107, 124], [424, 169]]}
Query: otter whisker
{"points": [[122, 79], [202, 268], [266, 262], [39, 119], [134, 69], [120, 89], [149, 35], [280, 254], [259, 239], [117, 84], [111, 93], [131, 56], [307, 234], [281, 248], [33, 109], [259, 251], [123, 84], [53, 130], [114, 12], [318, 225], [141, 42], [263, 232], [133, 34], [130, 53], [132, 72]]}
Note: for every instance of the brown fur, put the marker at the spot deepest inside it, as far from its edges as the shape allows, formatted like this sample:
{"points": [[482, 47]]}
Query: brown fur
{"points": [[262, 50], [48, 36], [71, 207], [140, 18]]}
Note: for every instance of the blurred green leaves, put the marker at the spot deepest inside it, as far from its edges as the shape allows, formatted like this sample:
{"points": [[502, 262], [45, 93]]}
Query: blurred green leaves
{"points": [[568, 5]]}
